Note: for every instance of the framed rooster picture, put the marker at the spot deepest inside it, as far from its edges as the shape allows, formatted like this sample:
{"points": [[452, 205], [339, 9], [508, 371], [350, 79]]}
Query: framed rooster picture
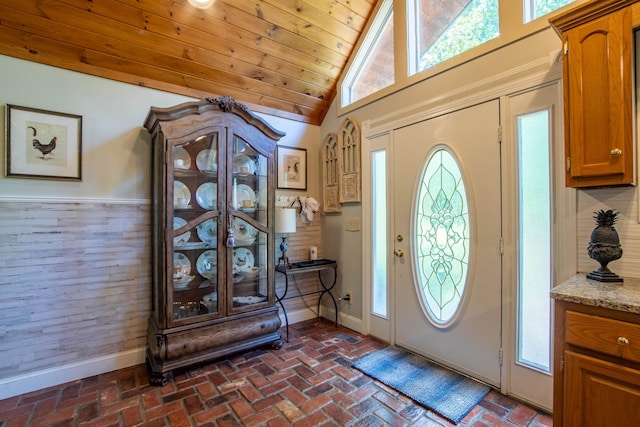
{"points": [[43, 144]]}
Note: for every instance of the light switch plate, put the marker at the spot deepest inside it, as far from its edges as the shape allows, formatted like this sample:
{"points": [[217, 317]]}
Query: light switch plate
{"points": [[352, 224]]}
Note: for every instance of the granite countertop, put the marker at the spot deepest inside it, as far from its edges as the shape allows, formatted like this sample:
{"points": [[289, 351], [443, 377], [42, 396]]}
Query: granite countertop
{"points": [[617, 296]]}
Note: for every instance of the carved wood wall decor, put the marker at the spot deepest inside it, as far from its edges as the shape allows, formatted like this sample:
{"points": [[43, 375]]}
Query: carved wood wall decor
{"points": [[331, 174], [349, 160]]}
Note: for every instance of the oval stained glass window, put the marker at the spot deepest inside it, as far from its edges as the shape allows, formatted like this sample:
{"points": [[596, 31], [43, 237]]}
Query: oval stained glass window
{"points": [[441, 236]]}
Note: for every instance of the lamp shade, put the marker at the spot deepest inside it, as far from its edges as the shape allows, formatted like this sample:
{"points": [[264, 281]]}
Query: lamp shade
{"points": [[286, 220]]}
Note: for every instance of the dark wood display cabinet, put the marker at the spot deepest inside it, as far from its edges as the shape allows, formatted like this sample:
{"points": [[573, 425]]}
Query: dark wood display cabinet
{"points": [[213, 244]]}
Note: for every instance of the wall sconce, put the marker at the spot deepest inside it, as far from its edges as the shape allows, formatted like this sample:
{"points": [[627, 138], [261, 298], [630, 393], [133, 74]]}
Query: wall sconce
{"points": [[201, 4], [285, 223]]}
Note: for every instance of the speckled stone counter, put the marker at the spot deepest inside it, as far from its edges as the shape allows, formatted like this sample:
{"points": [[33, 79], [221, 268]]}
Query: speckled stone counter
{"points": [[616, 296]]}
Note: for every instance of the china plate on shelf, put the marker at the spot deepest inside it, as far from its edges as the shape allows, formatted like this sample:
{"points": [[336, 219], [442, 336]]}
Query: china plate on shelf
{"points": [[182, 283], [249, 300], [238, 145], [243, 232], [207, 232], [184, 237], [207, 194], [244, 161], [207, 264], [243, 192], [180, 153], [181, 195], [243, 258], [206, 160], [182, 261]]}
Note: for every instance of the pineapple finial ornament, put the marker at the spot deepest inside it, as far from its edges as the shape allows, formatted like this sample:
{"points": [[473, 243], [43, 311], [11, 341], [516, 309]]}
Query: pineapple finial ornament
{"points": [[604, 246]]}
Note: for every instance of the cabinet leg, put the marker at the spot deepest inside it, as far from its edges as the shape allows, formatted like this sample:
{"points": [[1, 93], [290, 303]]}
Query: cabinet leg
{"points": [[158, 379]]}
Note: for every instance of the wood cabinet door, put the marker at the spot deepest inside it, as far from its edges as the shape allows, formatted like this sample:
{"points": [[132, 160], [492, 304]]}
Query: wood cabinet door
{"points": [[598, 114], [599, 393]]}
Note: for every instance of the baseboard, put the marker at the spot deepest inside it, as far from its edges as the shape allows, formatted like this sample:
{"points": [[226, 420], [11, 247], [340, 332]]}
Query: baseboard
{"points": [[345, 320], [26, 383]]}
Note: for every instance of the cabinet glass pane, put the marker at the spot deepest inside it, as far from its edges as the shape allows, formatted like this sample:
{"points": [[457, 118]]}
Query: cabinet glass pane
{"points": [[249, 180], [249, 265], [195, 227]]}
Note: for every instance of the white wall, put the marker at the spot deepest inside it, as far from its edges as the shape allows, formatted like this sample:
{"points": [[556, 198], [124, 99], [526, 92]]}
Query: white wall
{"points": [[75, 255], [532, 54]]}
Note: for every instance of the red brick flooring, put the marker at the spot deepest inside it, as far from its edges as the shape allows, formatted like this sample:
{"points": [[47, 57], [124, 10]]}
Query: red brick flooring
{"points": [[309, 382]]}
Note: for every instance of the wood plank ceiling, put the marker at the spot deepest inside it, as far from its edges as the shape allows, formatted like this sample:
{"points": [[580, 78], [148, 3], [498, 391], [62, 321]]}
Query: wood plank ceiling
{"points": [[281, 57]]}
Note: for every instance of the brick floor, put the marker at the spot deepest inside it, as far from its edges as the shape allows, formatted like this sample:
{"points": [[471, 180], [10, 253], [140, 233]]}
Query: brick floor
{"points": [[309, 382]]}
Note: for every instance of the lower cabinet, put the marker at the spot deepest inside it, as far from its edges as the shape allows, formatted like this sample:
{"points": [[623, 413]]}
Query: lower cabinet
{"points": [[597, 360], [599, 393]]}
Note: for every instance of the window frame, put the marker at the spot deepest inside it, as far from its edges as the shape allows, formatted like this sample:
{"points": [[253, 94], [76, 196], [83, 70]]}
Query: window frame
{"points": [[512, 28]]}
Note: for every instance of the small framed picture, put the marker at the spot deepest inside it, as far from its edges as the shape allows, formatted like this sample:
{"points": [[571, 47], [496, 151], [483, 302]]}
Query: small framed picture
{"points": [[292, 168], [43, 144]]}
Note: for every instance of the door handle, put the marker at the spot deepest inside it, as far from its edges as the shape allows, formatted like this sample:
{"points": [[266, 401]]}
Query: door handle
{"points": [[616, 152], [399, 253]]}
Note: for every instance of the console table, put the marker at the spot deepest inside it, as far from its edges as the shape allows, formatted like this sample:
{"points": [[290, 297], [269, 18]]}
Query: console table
{"points": [[306, 267]]}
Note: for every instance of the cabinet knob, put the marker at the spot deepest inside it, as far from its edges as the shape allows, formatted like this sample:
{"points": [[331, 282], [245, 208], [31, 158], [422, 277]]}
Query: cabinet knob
{"points": [[616, 152], [623, 340]]}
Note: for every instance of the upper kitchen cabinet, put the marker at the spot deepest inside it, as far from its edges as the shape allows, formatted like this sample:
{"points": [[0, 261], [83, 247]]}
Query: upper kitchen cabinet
{"points": [[597, 41]]}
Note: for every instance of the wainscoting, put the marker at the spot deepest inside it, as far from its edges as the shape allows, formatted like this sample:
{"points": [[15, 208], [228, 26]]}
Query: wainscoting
{"points": [[76, 288]]}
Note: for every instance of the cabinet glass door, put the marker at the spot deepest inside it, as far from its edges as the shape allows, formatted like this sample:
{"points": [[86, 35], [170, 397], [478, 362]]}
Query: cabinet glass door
{"points": [[196, 214], [249, 205]]}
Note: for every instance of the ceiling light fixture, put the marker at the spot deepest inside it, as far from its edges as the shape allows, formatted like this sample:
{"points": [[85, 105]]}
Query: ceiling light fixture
{"points": [[201, 4]]}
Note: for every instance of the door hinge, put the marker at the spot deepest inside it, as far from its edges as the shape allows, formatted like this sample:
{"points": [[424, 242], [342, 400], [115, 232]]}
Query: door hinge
{"points": [[566, 47], [562, 365], [501, 246], [500, 356], [499, 134], [568, 164]]}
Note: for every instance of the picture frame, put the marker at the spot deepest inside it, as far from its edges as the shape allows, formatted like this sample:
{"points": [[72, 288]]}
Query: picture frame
{"points": [[42, 144], [292, 167]]}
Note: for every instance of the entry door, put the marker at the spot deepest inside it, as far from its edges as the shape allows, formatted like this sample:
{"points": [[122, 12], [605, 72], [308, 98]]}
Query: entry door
{"points": [[448, 239]]}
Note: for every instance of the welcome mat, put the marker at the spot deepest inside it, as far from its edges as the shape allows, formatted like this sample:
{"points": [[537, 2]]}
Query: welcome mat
{"points": [[443, 391]]}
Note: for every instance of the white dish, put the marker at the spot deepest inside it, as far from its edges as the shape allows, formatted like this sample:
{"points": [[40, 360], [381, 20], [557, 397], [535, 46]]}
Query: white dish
{"points": [[183, 262], [207, 195], [243, 192], [181, 195], [243, 259], [182, 283], [184, 237], [251, 272], [261, 165], [237, 277], [243, 231], [181, 158], [262, 193], [207, 231], [249, 299], [238, 145], [207, 264], [206, 160], [244, 162]]}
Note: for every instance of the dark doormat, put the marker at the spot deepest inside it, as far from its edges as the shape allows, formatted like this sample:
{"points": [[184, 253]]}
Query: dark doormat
{"points": [[445, 392]]}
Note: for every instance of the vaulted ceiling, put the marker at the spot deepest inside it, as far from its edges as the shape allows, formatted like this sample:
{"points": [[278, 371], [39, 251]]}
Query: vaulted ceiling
{"points": [[281, 57]]}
